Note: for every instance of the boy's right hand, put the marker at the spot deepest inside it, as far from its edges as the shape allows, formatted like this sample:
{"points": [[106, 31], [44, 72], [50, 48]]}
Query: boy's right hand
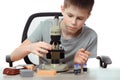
{"points": [[39, 48], [81, 56]]}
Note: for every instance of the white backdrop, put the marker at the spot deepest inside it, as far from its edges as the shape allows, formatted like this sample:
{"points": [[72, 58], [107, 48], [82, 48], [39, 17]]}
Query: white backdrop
{"points": [[104, 20]]}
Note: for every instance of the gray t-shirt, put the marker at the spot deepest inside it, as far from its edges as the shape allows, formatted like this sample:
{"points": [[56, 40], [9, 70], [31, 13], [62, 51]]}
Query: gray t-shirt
{"points": [[87, 39]]}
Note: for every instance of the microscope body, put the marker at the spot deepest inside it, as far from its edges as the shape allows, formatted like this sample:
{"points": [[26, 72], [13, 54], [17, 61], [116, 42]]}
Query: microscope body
{"points": [[58, 52]]}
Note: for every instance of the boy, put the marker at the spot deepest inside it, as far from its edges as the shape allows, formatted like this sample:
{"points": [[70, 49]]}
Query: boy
{"points": [[78, 40]]}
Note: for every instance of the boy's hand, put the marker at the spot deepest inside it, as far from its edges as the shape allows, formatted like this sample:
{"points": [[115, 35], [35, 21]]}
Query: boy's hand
{"points": [[39, 48], [81, 56]]}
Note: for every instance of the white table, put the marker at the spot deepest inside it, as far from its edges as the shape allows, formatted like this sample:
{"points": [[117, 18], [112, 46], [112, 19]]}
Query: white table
{"points": [[92, 74]]}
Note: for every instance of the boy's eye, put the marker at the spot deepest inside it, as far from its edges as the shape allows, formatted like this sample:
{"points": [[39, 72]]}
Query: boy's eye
{"points": [[80, 18], [70, 15]]}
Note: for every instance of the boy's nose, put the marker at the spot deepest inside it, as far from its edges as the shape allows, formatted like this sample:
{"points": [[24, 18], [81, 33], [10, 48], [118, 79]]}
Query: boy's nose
{"points": [[73, 21]]}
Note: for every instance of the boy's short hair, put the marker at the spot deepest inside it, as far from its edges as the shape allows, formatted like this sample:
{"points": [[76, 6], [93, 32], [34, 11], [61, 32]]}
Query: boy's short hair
{"points": [[84, 4]]}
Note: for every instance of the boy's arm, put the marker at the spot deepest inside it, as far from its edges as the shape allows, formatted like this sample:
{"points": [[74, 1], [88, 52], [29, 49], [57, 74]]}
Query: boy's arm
{"points": [[38, 48], [20, 52], [92, 47]]}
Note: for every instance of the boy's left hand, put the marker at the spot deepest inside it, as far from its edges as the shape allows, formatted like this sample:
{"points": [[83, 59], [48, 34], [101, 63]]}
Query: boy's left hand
{"points": [[81, 57]]}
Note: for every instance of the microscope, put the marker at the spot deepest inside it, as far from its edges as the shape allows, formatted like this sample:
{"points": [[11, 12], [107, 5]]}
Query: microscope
{"points": [[58, 52]]}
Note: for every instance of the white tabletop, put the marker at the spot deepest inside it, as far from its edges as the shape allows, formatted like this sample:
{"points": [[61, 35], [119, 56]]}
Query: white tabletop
{"points": [[92, 74]]}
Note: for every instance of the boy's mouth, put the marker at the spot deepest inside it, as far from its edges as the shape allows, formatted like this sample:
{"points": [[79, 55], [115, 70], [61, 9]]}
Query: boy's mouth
{"points": [[71, 28]]}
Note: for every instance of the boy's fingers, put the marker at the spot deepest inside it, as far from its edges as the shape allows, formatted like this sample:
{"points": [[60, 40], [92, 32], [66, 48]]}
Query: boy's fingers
{"points": [[42, 50], [39, 54], [79, 61], [45, 45], [82, 50], [88, 53]]}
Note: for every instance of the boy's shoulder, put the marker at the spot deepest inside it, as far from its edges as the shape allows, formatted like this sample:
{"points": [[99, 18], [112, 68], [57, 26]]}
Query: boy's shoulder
{"points": [[89, 30]]}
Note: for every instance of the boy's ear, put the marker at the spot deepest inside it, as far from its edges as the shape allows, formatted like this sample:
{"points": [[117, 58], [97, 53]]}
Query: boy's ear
{"points": [[88, 15]]}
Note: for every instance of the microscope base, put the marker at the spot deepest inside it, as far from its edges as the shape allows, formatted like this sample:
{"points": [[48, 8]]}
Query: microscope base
{"points": [[57, 67]]}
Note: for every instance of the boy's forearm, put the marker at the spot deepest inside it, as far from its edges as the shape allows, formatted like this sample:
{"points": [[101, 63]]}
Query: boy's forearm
{"points": [[19, 53]]}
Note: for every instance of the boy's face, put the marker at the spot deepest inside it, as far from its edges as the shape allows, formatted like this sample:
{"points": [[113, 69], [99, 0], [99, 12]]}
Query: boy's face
{"points": [[73, 18]]}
